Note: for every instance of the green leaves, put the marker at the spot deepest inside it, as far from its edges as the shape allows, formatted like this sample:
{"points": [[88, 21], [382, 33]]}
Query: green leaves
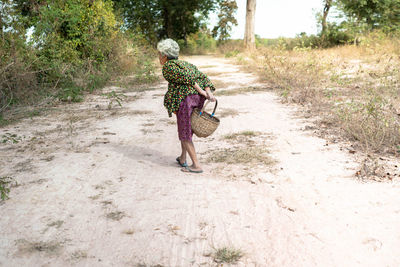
{"points": [[375, 14], [157, 19], [5, 185], [226, 20]]}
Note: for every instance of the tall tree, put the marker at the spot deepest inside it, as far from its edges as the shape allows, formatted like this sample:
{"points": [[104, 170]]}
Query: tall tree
{"points": [[226, 19], [327, 7], [249, 37]]}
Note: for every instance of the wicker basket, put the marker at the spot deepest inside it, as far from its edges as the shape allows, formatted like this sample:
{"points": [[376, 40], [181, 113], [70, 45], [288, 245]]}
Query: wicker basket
{"points": [[203, 123]]}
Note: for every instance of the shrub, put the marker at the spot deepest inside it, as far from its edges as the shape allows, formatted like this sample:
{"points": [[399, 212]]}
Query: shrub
{"points": [[76, 46], [372, 122], [198, 43]]}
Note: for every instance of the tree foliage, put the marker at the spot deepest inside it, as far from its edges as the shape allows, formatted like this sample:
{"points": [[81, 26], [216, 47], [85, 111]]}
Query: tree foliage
{"points": [[376, 14], [73, 45], [157, 19], [226, 19]]}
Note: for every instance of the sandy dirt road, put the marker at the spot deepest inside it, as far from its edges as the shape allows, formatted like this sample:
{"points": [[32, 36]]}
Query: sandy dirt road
{"points": [[99, 187]]}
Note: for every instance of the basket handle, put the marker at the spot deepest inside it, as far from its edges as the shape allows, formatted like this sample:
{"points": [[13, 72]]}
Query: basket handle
{"points": [[215, 107]]}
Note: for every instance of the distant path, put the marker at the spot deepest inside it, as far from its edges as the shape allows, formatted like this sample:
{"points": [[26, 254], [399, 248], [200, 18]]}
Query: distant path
{"points": [[100, 187]]}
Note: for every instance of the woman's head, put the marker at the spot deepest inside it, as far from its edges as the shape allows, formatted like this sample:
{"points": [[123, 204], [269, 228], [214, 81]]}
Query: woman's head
{"points": [[167, 49]]}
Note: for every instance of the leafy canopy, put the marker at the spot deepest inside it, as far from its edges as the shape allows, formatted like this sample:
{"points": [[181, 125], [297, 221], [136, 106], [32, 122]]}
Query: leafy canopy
{"points": [[157, 19]]}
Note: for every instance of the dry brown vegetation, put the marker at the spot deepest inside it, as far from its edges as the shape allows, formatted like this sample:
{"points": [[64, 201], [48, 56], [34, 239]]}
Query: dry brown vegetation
{"points": [[351, 88], [243, 150]]}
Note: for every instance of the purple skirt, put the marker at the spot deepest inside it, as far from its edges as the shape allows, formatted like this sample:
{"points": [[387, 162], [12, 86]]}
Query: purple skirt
{"points": [[183, 115]]}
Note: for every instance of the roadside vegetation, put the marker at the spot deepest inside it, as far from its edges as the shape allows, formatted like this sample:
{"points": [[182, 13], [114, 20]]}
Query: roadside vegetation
{"points": [[58, 51], [353, 88], [348, 75]]}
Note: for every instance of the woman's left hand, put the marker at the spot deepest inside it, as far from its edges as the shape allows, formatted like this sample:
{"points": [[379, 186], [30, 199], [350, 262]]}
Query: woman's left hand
{"points": [[210, 95]]}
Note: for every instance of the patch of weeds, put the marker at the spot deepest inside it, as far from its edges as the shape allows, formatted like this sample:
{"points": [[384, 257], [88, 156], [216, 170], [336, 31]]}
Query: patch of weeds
{"points": [[214, 73], [97, 81], [244, 133], [56, 224], [34, 113], [95, 197], [114, 97], [23, 166], [208, 66], [10, 138], [27, 247], [5, 184], [241, 155], [71, 94], [49, 158], [371, 122], [106, 202], [136, 112], [228, 112], [115, 215], [221, 84], [238, 91], [246, 138], [227, 255], [79, 254], [232, 53], [39, 181], [146, 73]]}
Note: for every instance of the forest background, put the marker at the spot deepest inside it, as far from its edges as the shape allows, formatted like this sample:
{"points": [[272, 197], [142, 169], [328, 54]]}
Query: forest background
{"points": [[52, 51]]}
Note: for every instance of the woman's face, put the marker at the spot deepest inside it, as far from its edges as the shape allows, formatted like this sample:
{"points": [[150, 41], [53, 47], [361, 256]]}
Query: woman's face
{"points": [[162, 58]]}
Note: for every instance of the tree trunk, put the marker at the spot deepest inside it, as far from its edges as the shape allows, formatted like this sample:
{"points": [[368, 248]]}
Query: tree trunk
{"points": [[249, 38], [167, 22], [328, 4]]}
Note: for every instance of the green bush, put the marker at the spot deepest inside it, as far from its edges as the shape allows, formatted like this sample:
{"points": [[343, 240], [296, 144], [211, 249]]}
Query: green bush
{"points": [[76, 46], [198, 43]]}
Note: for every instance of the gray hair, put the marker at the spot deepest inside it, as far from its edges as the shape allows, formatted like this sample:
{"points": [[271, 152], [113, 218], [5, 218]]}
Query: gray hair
{"points": [[169, 48]]}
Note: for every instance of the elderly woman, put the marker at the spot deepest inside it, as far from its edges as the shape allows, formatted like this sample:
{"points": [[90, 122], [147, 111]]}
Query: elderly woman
{"points": [[187, 89]]}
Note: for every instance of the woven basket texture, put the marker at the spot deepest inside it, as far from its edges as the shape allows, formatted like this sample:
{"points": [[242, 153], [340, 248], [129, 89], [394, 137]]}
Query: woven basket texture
{"points": [[203, 125]]}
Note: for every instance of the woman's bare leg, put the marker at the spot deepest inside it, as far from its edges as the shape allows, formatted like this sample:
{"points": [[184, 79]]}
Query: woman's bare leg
{"points": [[189, 147], [182, 157]]}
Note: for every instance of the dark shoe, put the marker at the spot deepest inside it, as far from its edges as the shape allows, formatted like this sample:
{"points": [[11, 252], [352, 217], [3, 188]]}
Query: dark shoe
{"points": [[184, 165]]}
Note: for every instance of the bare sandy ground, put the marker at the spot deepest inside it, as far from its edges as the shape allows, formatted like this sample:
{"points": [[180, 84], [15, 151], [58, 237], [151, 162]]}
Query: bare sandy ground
{"points": [[99, 187]]}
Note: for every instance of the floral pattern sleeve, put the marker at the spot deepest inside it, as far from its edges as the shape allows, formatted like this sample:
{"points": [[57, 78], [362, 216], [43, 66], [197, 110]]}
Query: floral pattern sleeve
{"points": [[206, 82]]}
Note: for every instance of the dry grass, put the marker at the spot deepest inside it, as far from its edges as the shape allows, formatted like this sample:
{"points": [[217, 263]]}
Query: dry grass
{"points": [[207, 66], [240, 91], [355, 88], [220, 83], [227, 255], [236, 136], [241, 155], [115, 215], [227, 112], [27, 247], [247, 147], [214, 73]]}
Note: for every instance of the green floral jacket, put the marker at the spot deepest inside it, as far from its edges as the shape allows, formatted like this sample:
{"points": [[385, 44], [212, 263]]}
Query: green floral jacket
{"points": [[181, 77]]}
